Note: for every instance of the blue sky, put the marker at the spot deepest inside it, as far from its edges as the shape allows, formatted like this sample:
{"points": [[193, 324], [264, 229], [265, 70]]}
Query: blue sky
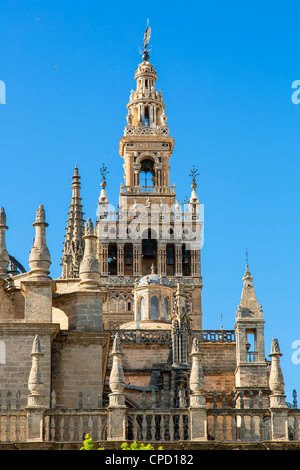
{"points": [[225, 70]]}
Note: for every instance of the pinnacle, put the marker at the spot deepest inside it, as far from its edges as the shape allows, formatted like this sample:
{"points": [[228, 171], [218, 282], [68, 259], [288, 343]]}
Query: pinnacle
{"points": [[2, 216]]}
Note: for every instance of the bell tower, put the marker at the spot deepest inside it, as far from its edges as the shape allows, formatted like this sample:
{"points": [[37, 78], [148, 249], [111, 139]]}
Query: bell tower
{"points": [[150, 234], [146, 146]]}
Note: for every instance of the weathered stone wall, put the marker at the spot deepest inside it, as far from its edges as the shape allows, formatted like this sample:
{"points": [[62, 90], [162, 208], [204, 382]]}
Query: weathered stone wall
{"points": [[16, 346], [78, 361]]}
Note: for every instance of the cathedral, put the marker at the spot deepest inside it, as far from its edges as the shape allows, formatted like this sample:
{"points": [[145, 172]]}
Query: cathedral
{"points": [[114, 347]]}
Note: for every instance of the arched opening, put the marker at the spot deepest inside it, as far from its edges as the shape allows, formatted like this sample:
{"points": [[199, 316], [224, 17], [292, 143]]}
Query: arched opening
{"points": [[112, 259], [170, 258], [147, 173], [149, 251], [128, 259], [186, 261], [154, 308]]}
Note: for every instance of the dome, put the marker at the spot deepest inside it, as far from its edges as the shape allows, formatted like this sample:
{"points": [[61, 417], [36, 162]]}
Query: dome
{"points": [[146, 325], [153, 279]]}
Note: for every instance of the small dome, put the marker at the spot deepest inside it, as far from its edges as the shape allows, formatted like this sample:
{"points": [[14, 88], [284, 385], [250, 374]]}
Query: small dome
{"points": [[153, 279], [146, 325]]}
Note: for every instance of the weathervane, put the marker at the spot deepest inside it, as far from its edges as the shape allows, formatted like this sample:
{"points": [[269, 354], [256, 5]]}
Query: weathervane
{"points": [[103, 172], [194, 173], [147, 36]]}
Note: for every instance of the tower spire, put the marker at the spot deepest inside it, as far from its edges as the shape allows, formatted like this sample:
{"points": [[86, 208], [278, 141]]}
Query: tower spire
{"points": [[4, 257], [249, 306], [74, 243]]}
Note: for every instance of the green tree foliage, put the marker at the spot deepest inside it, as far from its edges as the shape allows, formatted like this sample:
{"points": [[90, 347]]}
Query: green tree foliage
{"points": [[88, 444]]}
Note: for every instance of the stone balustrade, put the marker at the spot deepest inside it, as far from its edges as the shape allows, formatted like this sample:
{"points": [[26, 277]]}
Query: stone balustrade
{"points": [[225, 422]]}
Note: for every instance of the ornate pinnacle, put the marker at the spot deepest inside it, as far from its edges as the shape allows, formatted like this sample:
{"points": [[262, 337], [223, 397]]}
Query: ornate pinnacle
{"points": [[117, 348], [35, 380], [116, 380], [89, 271], [89, 228], [39, 258], [2, 217], [276, 381], [40, 215]]}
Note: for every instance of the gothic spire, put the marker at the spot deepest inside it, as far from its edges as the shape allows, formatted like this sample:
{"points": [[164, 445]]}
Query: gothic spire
{"points": [[248, 306], [4, 257], [74, 243]]}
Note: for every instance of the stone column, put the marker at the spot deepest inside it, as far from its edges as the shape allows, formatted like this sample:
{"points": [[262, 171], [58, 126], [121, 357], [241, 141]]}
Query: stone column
{"points": [[103, 257], [117, 408], [178, 260], [137, 260], [35, 401], [120, 261], [278, 407], [161, 259], [198, 408]]}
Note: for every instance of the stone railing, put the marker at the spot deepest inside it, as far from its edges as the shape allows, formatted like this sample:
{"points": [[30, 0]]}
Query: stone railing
{"points": [[158, 425], [73, 425], [238, 424], [160, 190], [224, 421], [13, 425], [164, 336]]}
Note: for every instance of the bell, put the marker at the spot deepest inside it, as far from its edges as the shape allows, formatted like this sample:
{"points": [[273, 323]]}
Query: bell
{"points": [[128, 257], [185, 259], [148, 248], [147, 166]]}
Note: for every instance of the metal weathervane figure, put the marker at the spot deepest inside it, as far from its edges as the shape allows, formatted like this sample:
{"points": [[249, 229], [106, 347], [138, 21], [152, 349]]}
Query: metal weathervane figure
{"points": [[147, 36]]}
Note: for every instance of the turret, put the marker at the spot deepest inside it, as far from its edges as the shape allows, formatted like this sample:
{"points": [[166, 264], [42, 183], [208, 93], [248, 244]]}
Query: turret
{"points": [[251, 371]]}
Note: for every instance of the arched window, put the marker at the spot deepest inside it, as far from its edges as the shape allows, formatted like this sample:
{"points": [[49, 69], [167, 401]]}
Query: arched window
{"points": [[142, 308], [166, 308], [147, 173], [154, 308]]}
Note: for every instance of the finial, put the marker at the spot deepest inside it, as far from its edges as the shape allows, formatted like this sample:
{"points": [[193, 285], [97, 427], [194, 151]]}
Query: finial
{"points": [[247, 263], [89, 227], [194, 173], [221, 321], [2, 217], [103, 172], [147, 36]]}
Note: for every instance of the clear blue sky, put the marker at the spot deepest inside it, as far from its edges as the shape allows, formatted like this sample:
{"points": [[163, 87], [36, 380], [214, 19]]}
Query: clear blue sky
{"points": [[225, 70]]}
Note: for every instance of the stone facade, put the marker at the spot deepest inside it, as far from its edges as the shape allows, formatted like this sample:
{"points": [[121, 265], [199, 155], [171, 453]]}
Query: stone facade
{"points": [[118, 338]]}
